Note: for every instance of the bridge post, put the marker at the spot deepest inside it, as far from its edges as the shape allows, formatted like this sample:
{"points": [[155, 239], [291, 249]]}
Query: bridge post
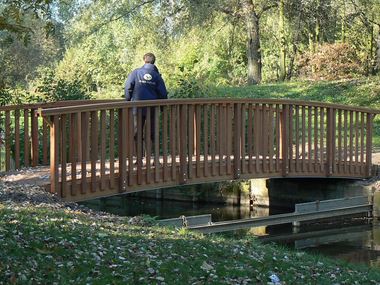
{"points": [[237, 141], [369, 144]]}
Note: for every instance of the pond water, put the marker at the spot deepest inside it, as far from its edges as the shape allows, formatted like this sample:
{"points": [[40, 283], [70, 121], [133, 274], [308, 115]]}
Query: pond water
{"points": [[354, 240]]}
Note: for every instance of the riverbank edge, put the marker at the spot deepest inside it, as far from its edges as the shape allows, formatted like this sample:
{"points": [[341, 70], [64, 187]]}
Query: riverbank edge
{"points": [[46, 241]]}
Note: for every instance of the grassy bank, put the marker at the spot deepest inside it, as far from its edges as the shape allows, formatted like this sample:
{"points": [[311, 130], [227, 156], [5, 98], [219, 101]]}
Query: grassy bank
{"points": [[45, 245]]}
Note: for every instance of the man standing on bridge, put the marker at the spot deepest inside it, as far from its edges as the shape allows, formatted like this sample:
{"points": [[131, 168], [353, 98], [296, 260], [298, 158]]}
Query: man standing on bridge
{"points": [[145, 83]]}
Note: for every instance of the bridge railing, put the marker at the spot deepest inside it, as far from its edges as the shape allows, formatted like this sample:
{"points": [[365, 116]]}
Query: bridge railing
{"points": [[95, 148], [24, 137]]}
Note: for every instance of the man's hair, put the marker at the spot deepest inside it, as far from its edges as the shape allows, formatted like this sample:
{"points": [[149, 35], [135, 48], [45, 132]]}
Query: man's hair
{"points": [[149, 58]]}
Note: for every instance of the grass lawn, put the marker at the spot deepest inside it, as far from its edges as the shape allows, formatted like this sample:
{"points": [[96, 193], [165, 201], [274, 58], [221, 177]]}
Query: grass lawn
{"points": [[44, 245]]}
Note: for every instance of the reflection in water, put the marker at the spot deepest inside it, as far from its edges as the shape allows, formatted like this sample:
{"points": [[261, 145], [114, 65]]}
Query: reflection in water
{"points": [[358, 243]]}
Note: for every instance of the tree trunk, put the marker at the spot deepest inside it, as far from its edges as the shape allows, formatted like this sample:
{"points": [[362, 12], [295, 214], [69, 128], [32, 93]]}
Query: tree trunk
{"points": [[253, 46], [282, 41]]}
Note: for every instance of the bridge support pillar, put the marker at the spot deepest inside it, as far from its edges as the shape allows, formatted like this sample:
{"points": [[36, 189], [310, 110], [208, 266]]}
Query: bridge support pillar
{"points": [[376, 205]]}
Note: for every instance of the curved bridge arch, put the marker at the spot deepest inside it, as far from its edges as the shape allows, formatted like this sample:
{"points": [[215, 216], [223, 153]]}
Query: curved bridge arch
{"points": [[202, 140]]}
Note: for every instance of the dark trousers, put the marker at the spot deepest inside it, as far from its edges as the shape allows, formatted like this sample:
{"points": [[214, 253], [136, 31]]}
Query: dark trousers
{"points": [[144, 132]]}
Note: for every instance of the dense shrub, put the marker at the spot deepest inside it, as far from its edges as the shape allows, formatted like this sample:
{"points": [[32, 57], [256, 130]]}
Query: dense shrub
{"points": [[330, 62]]}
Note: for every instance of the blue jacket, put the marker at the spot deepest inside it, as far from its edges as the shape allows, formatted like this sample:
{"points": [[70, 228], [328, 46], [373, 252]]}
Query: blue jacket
{"points": [[145, 83]]}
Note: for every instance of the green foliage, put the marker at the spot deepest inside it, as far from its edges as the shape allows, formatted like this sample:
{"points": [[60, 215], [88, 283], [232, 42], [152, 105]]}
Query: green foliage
{"points": [[49, 88]]}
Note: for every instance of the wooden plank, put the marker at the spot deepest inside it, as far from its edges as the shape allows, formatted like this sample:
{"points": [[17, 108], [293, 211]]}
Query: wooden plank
{"points": [[351, 166], [212, 140], [139, 145], [228, 138], [369, 144], [264, 138], [131, 142], [340, 141], [285, 139], [191, 122], [157, 144], [345, 147], [7, 140], [321, 138], [183, 143], [124, 124], [309, 143], [303, 139], [103, 144], [271, 143], [34, 138], [94, 149], [112, 147], [63, 155], [206, 167], [316, 150], [26, 138], [329, 142], [54, 156], [256, 136], [356, 141], [297, 139], [172, 129], [250, 138], [362, 170], [243, 124], [290, 138], [278, 137], [198, 139], [148, 145], [45, 144], [84, 137], [237, 138], [220, 138], [165, 140], [17, 139], [73, 152]]}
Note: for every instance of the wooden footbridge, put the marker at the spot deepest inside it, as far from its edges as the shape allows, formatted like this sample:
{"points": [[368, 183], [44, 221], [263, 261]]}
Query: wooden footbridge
{"points": [[93, 151]]}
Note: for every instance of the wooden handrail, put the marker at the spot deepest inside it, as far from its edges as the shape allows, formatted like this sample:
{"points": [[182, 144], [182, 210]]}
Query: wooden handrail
{"points": [[150, 103]]}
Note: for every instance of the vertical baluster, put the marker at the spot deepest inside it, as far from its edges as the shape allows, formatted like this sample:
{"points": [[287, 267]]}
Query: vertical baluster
{"points": [[345, 152], [26, 137], [183, 143], [237, 140], [369, 145], [362, 164], [112, 147], [221, 141], [256, 135], [278, 137], [124, 123], [73, 152], [94, 149], [309, 144], [316, 150], [285, 139], [7, 140], [212, 140], [191, 121], [131, 142], [34, 137], [205, 140], [290, 147], [243, 138], [45, 143], [172, 141], [356, 141], [270, 130], [198, 139], [339, 141], [148, 144], [139, 145], [103, 145], [351, 167], [321, 138], [165, 143], [250, 138], [228, 137], [297, 139], [303, 139], [63, 156], [264, 137], [17, 139], [157, 144], [54, 156], [84, 137]]}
